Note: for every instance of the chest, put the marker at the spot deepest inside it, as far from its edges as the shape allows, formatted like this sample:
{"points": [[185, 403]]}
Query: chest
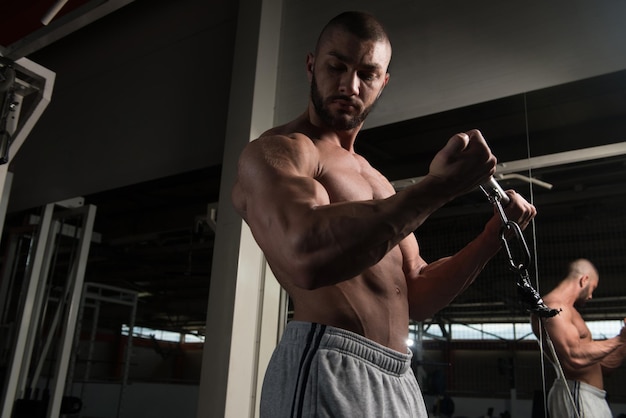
{"points": [[349, 177], [581, 327]]}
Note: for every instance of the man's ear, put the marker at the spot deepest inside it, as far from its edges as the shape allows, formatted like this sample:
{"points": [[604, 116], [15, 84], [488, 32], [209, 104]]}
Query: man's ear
{"points": [[584, 279], [384, 85], [310, 65]]}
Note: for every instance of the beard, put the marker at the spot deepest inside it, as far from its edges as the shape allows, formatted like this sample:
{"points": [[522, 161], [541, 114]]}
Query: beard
{"points": [[582, 298], [336, 122]]}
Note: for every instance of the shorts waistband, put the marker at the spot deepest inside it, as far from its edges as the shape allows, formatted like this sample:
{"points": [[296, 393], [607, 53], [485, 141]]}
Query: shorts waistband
{"points": [[582, 386], [332, 338]]}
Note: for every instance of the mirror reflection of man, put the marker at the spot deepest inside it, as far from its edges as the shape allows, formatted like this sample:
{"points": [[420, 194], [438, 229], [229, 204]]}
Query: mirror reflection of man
{"points": [[582, 359]]}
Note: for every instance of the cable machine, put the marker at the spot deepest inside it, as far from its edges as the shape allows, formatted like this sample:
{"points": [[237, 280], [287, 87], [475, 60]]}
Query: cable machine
{"points": [[48, 297], [94, 297]]}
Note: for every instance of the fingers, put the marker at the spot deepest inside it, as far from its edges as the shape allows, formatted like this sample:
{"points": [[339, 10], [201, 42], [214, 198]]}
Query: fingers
{"points": [[478, 145], [464, 163], [473, 143], [520, 210], [468, 141], [457, 143]]}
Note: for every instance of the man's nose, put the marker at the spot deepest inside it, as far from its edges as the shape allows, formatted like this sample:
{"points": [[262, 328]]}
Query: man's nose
{"points": [[349, 84]]}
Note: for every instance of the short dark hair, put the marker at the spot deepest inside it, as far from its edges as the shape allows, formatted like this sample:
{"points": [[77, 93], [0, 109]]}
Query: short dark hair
{"points": [[363, 25]]}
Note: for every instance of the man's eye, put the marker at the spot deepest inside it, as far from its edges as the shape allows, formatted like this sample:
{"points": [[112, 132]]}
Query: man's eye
{"points": [[367, 76]]}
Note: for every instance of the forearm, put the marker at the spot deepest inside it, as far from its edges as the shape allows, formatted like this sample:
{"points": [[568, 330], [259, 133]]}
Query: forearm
{"points": [[440, 282], [336, 242], [614, 359], [593, 352]]}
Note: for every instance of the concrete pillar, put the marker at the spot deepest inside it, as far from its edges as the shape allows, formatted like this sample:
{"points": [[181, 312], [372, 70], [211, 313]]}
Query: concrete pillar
{"points": [[243, 316]]}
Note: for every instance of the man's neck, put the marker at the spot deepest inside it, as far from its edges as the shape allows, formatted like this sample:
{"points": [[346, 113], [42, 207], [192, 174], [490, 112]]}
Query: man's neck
{"points": [[567, 294], [343, 138]]}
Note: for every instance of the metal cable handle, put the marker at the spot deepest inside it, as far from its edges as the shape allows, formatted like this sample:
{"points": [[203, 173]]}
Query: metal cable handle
{"points": [[510, 230]]}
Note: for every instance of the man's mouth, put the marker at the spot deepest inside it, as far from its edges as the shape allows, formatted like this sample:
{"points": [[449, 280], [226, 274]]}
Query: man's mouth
{"points": [[346, 103]]}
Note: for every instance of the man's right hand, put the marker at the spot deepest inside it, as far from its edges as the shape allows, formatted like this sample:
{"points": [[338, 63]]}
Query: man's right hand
{"points": [[463, 163]]}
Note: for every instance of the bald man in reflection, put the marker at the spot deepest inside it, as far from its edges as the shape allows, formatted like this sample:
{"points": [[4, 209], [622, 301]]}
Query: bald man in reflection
{"points": [[583, 360]]}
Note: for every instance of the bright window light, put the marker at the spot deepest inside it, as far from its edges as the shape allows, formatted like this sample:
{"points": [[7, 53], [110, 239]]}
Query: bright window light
{"points": [[193, 338], [159, 334], [510, 331]]}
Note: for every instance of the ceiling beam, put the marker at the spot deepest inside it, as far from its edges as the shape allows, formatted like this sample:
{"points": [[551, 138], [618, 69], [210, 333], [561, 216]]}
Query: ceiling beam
{"points": [[550, 160], [61, 27]]}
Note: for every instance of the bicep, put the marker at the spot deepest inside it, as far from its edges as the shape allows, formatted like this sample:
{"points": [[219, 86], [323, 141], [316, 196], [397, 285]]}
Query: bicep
{"points": [[412, 262], [278, 203], [276, 192], [277, 182], [563, 334]]}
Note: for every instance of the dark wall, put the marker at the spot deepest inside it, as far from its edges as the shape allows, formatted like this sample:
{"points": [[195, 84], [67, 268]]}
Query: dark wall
{"points": [[140, 94]]}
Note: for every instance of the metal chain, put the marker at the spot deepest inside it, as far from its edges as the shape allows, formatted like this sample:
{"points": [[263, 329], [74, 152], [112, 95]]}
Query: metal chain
{"points": [[511, 231], [530, 297]]}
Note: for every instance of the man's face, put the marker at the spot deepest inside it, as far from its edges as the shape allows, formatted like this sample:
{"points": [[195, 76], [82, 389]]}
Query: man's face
{"points": [[341, 119], [347, 76]]}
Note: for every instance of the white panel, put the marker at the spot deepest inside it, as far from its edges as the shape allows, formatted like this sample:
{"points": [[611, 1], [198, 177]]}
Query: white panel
{"points": [[144, 90], [240, 315]]}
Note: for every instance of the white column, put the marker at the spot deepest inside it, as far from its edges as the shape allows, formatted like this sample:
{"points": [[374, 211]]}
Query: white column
{"points": [[243, 312]]}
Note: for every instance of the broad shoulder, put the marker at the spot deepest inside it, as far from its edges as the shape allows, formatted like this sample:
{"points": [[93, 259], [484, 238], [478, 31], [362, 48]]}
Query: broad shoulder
{"points": [[568, 317], [271, 163], [557, 298], [280, 152], [288, 140], [564, 317], [566, 310]]}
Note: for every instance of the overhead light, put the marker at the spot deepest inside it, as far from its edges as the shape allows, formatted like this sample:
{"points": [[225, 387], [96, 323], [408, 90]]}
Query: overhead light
{"points": [[52, 12]]}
